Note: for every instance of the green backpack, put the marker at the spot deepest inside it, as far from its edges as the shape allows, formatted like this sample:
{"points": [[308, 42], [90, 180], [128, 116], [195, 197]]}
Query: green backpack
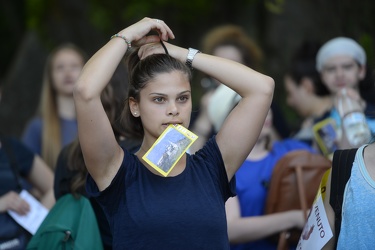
{"points": [[70, 224]]}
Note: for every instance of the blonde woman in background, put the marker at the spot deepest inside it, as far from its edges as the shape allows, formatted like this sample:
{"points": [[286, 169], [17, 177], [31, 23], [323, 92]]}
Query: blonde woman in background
{"points": [[55, 125]]}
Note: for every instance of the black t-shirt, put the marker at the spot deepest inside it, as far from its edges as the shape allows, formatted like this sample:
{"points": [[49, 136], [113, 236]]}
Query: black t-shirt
{"points": [[187, 211], [23, 159]]}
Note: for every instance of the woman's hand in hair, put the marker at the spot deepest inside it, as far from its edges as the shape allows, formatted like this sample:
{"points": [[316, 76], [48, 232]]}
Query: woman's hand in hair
{"points": [[156, 48], [139, 33]]}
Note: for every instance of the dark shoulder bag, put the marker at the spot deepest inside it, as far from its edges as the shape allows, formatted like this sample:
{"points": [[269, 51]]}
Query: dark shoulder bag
{"points": [[12, 235], [341, 170]]}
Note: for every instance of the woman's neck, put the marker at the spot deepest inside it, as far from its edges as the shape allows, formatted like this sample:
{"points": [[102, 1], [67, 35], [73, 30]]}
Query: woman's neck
{"points": [[65, 107], [259, 150]]}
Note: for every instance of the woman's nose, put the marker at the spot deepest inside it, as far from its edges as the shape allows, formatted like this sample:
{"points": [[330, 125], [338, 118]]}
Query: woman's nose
{"points": [[172, 109], [340, 72]]}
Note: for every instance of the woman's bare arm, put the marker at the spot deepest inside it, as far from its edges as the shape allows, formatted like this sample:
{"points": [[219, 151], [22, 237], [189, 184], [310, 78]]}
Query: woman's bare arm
{"points": [[41, 177], [246, 229]]}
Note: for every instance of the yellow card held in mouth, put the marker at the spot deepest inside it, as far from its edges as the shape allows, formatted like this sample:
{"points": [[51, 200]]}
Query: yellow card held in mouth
{"points": [[169, 148]]}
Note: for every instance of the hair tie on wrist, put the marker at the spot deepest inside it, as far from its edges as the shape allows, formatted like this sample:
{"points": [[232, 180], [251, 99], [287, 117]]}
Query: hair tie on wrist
{"points": [[124, 38], [165, 48]]}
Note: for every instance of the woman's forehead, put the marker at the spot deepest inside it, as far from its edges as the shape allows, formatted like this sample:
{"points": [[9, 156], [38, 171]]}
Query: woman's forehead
{"points": [[338, 60], [168, 82]]}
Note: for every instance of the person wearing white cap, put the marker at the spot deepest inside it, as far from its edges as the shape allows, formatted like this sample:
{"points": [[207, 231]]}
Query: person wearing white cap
{"points": [[341, 63]]}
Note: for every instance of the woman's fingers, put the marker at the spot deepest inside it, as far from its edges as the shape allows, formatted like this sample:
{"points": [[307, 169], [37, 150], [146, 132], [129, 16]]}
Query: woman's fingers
{"points": [[164, 31], [147, 40], [138, 32], [16, 203], [22, 207], [150, 49]]}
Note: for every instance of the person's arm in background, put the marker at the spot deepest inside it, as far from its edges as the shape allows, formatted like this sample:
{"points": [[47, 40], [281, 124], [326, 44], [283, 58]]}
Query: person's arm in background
{"points": [[12, 201], [246, 229], [41, 177]]}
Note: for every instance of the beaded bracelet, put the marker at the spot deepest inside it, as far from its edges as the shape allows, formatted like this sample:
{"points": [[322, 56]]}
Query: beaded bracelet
{"points": [[123, 37]]}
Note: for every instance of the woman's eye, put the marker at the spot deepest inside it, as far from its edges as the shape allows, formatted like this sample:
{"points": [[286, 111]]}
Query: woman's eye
{"points": [[329, 69], [348, 66], [59, 67], [76, 66], [183, 98], [159, 99]]}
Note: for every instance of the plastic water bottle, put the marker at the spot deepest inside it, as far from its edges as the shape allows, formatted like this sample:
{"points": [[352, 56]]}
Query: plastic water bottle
{"points": [[353, 120]]}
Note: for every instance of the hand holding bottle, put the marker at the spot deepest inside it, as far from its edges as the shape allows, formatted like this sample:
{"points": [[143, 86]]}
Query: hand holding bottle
{"points": [[353, 120]]}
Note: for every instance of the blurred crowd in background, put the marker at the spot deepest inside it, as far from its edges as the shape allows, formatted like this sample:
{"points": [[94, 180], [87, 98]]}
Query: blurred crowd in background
{"points": [[31, 29]]}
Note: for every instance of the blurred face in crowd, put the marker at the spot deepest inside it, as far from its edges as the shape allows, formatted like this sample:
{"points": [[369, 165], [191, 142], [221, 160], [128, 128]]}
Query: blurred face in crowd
{"points": [[66, 67], [228, 52], [341, 71]]}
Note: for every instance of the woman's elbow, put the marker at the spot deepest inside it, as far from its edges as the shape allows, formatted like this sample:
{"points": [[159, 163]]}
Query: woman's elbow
{"points": [[81, 91], [269, 86]]}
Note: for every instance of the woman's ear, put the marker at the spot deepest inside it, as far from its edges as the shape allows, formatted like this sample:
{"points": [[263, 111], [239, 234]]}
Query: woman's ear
{"points": [[134, 107]]}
